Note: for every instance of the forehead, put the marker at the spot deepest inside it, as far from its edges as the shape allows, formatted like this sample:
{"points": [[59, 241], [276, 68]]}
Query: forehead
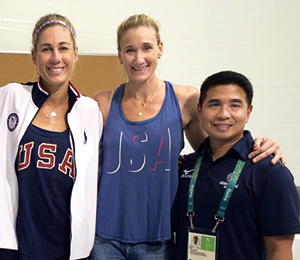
{"points": [[225, 92], [55, 32], [138, 35]]}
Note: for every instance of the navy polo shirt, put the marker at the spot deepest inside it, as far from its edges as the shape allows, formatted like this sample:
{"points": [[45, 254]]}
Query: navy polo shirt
{"points": [[265, 201]]}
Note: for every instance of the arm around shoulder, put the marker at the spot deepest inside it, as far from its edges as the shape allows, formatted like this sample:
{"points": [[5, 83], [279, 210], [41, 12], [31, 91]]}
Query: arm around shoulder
{"points": [[188, 98]]}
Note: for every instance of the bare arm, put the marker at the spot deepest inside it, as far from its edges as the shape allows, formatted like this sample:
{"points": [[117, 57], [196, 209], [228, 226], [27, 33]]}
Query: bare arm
{"points": [[103, 98], [195, 134], [188, 98], [279, 247]]}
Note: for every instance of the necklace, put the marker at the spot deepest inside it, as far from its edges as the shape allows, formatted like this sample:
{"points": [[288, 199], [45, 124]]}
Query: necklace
{"points": [[52, 114], [140, 112]]}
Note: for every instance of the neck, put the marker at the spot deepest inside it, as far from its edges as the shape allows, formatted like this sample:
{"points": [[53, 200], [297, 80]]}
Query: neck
{"points": [[57, 99], [52, 89], [58, 96], [143, 90], [219, 148], [142, 96]]}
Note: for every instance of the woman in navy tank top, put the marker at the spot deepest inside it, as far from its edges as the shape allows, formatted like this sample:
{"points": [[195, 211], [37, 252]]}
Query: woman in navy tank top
{"points": [[46, 121]]}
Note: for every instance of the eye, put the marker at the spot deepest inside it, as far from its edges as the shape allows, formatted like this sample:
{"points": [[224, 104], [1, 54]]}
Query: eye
{"points": [[147, 48], [214, 105], [45, 49], [64, 48], [129, 50]]}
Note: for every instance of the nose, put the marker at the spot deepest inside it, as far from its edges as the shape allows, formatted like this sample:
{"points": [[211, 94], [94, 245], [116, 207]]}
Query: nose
{"points": [[223, 112], [139, 57], [56, 56]]}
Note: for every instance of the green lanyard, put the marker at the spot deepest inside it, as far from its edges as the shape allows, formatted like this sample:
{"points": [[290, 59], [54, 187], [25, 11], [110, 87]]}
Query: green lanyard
{"points": [[226, 196]]}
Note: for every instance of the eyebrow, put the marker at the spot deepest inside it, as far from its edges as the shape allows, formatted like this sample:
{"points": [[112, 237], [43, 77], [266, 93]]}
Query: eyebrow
{"points": [[128, 46], [49, 44], [234, 100], [143, 44]]}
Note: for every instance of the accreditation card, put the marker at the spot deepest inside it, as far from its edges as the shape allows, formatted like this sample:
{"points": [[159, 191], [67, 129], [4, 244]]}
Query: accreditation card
{"points": [[202, 244]]}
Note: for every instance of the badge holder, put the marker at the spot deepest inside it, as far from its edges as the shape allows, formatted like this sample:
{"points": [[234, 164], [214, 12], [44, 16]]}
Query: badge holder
{"points": [[202, 244]]}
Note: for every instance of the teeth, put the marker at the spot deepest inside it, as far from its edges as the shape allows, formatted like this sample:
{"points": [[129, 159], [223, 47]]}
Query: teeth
{"points": [[221, 126], [140, 69], [59, 69]]}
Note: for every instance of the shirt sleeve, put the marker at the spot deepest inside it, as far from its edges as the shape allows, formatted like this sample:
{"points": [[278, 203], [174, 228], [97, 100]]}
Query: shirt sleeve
{"points": [[279, 204]]}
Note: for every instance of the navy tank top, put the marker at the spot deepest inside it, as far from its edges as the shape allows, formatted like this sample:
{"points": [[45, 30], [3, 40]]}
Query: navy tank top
{"points": [[45, 178], [139, 177]]}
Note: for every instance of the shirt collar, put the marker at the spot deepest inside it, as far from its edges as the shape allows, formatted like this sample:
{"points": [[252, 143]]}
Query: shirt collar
{"points": [[242, 147]]}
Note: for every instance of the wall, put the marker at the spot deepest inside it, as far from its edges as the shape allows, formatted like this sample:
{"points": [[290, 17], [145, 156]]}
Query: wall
{"points": [[91, 74], [260, 39]]}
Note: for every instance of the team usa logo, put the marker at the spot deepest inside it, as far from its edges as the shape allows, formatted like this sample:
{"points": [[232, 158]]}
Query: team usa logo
{"points": [[12, 121], [228, 176], [225, 183]]}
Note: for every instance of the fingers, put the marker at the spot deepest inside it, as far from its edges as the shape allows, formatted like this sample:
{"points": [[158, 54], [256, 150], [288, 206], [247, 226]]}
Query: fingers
{"points": [[180, 158], [264, 147], [283, 160], [261, 145], [257, 143], [278, 156], [258, 156]]}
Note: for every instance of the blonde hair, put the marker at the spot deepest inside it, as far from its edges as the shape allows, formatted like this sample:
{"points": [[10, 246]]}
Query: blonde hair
{"points": [[135, 21], [52, 20]]}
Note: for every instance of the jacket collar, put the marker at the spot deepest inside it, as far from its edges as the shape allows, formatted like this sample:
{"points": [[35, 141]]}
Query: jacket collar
{"points": [[40, 94]]}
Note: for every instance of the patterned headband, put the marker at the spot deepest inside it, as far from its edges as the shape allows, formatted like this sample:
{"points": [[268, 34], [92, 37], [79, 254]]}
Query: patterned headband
{"points": [[54, 21]]}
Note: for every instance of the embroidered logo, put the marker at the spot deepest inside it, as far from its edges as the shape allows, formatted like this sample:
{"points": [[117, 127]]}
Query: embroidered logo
{"points": [[225, 183], [12, 121], [228, 176], [187, 174]]}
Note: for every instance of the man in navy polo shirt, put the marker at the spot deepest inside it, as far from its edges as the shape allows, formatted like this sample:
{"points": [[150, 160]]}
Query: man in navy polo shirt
{"points": [[238, 209]]}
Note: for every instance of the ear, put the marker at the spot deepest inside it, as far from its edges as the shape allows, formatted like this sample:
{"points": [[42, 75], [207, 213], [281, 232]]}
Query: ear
{"points": [[161, 49], [119, 57], [76, 54], [199, 110], [33, 58], [249, 111]]}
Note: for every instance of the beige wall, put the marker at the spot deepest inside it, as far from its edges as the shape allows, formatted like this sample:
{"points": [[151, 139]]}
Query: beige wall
{"points": [[92, 73]]}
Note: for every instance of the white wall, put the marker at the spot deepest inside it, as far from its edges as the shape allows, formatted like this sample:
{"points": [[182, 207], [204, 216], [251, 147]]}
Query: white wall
{"points": [[260, 39]]}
